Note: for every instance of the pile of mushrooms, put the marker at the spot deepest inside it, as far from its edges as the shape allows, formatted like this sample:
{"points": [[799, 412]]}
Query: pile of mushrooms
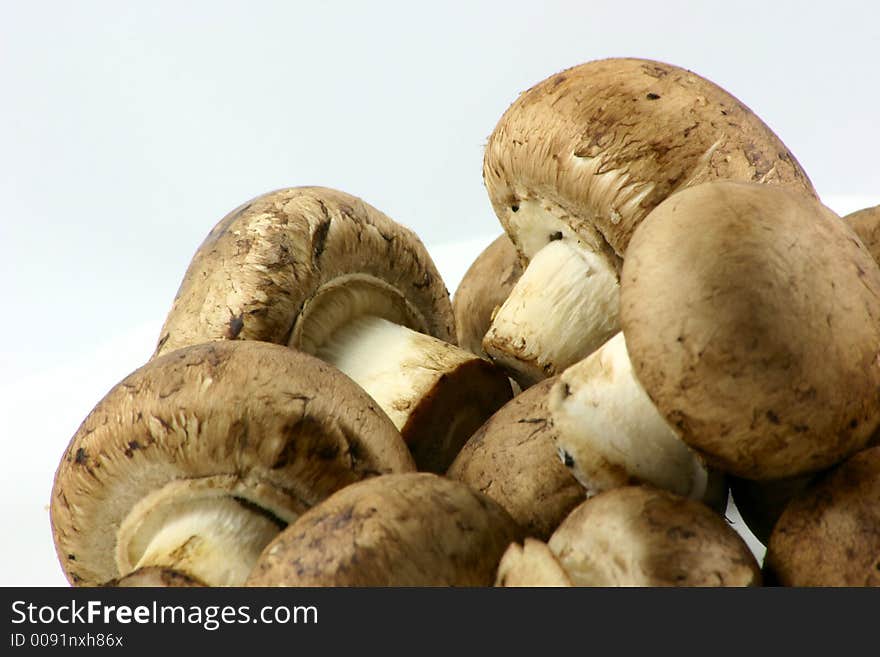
{"points": [[671, 323]]}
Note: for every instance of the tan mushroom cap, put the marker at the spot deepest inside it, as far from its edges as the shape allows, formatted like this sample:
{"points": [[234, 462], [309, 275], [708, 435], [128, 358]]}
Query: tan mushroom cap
{"points": [[866, 224], [270, 428], [513, 459], [644, 536], [599, 145], [483, 288], [324, 272], [752, 316], [396, 530], [270, 259], [829, 535]]}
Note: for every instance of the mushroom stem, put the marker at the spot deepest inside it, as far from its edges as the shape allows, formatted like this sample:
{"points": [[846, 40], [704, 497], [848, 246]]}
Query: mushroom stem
{"points": [[561, 310], [602, 416], [435, 393], [215, 539]]}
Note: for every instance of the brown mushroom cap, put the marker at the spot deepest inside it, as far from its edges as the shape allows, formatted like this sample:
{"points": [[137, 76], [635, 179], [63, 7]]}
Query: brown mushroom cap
{"points": [[268, 261], [265, 426], [576, 164], [752, 316], [324, 272], [483, 288], [396, 530], [599, 145], [829, 535], [866, 224], [513, 459], [644, 536]]}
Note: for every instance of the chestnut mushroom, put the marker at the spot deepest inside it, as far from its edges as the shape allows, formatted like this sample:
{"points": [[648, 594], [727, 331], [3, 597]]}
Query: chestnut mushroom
{"points": [[574, 166], [326, 273], [196, 460], [752, 320], [416, 529], [829, 534], [513, 459], [635, 536]]}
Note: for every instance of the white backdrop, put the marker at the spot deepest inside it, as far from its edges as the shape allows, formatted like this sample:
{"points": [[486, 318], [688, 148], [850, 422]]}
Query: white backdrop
{"points": [[128, 129]]}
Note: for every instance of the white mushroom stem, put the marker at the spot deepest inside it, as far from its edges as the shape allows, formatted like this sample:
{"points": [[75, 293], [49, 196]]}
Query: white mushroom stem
{"points": [[563, 308], [215, 539], [397, 366], [609, 431]]}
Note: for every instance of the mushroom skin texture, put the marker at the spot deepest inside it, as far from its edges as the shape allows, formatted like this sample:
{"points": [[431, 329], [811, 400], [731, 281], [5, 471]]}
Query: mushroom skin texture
{"points": [[829, 535], [197, 459], [482, 290], [639, 536], [326, 273], [581, 159], [752, 319], [513, 459], [866, 224], [417, 529]]}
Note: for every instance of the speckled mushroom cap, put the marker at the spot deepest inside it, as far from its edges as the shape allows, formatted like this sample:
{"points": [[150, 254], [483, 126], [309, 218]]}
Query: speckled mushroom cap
{"points": [[268, 263], [829, 535], [270, 427], [866, 224], [599, 145], [483, 288], [513, 459], [752, 318], [416, 529], [644, 536]]}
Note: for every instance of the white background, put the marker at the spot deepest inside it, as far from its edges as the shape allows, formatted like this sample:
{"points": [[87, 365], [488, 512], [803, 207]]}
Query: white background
{"points": [[128, 129]]}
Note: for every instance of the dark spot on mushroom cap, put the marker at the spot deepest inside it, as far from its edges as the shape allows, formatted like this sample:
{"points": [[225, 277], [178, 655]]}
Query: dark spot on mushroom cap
{"points": [[652, 96], [556, 236], [133, 445], [514, 208], [566, 389], [772, 417], [81, 456]]}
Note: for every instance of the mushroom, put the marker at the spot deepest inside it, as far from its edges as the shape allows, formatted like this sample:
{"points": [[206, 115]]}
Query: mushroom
{"points": [[635, 536], [866, 224], [574, 166], [326, 273], [482, 290], [752, 319], [512, 458], [829, 535], [609, 433], [417, 529], [196, 460]]}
